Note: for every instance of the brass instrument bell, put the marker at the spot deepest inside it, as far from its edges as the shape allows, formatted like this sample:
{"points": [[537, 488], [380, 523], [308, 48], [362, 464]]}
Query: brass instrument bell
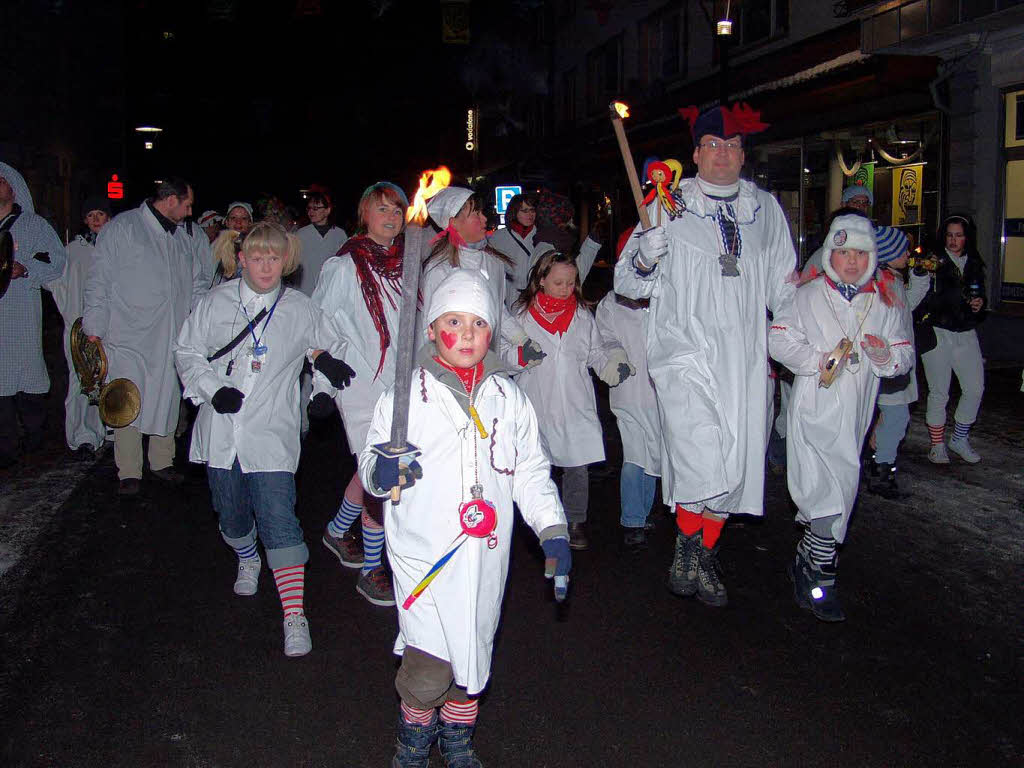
{"points": [[119, 401]]}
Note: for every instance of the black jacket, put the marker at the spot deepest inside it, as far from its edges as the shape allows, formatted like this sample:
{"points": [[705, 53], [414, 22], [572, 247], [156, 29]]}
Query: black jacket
{"points": [[946, 303]]}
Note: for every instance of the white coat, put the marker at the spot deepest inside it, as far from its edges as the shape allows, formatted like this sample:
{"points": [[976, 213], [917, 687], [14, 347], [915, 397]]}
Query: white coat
{"points": [[507, 327], [316, 249], [136, 299], [82, 425], [348, 333], [456, 617], [707, 347], [525, 252], [826, 426], [561, 389], [633, 402], [906, 312], [264, 434]]}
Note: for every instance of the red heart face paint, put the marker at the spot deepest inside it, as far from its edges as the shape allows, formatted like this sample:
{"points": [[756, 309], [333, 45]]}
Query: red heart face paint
{"points": [[449, 339]]}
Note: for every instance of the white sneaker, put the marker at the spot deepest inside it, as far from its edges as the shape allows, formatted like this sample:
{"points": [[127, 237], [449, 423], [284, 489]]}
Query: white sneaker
{"points": [[296, 635], [248, 576], [938, 455], [962, 448]]}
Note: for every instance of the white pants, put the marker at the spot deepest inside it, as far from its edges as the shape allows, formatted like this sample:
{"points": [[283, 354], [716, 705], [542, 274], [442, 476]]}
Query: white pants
{"points": [[960, 353], [82, 425]]}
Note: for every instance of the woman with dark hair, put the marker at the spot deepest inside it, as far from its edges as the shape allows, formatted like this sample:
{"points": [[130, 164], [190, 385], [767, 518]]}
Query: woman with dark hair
{"points": [[320, 239], [952, 307], [516, 239]]}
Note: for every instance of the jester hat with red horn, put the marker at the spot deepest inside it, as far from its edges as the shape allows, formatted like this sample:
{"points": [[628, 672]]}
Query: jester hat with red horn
{"points": [[723, 122]]}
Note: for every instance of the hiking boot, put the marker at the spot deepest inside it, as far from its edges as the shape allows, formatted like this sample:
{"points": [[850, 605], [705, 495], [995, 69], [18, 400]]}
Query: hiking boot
{"points": [[577, 536], [456, 743], [634, 539], [710, 589], [814, 589], [375, 586], [248, 576], [412, 747], [963, 449], [348, 549], [682, 576], [296, 635], [938, 455]]}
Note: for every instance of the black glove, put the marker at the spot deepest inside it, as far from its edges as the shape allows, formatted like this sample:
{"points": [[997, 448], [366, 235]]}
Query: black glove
{"points": [[387, 471], [337, 371], [227, 400], [321, 406]]}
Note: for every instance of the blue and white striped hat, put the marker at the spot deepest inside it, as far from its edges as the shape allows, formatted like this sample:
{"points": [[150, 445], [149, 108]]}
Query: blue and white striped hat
{"points": [[891, 242]]}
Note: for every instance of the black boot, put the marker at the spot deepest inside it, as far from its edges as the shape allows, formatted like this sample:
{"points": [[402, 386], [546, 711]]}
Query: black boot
{"points": [[682, 576], [710, 589], [412, 748], [456, 745], [814, 589], [885, 482]]}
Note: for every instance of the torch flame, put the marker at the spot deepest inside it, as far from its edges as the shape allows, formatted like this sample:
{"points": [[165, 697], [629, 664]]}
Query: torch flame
{"points": [[431, 182], [621, 109]]}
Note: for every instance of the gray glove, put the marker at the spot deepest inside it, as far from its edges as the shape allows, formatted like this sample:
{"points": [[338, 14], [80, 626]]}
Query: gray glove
{"points": [[531, 354]]}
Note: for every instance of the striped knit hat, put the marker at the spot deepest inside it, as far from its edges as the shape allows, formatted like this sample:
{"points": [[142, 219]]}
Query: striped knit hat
{"points": [[892, 243]]}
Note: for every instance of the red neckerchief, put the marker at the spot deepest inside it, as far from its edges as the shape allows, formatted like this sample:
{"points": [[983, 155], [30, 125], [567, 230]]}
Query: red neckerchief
{"points": [[469, 377], [453, 236], [553, 315], [375, 262], [520, 229]]}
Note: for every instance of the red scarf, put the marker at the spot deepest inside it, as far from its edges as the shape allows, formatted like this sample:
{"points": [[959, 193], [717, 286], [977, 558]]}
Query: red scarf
{"points": [[374, 263], [553, 315], [521, 229], [469, 377]]}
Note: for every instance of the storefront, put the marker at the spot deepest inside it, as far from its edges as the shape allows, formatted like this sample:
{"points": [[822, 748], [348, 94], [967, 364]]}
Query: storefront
{"points": [[1012, 240]]}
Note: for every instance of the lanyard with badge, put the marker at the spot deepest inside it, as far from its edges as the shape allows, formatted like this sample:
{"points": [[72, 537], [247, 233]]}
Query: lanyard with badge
{"points": [[258, 349]]}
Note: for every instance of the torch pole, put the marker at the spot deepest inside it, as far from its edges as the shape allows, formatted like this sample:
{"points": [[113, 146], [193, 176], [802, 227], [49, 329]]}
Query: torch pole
{"points": [[627, 160]]}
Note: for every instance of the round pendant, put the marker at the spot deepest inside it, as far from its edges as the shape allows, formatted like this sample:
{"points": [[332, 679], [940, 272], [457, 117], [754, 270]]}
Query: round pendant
{"points": [[478, 518]]}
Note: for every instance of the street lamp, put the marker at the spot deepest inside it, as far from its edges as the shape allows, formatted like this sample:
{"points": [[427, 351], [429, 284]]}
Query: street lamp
{"points": [[724, 34], [724, 27], [148, 129]]}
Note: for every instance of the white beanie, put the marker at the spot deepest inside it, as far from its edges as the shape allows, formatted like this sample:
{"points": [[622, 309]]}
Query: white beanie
{"points": [[208, 218], [444, 206], [237, 204], [464, 290], [850, 231]]}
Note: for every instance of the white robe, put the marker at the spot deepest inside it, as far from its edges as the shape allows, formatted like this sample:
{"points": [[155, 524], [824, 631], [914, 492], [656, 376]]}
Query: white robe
{"points": [[633, 402], [561, 389], [507, 328], [82, 425], [456, 617], [826, 426], [348, 333], [264, 434], [316, 249], [707, 347], [136, 299]]}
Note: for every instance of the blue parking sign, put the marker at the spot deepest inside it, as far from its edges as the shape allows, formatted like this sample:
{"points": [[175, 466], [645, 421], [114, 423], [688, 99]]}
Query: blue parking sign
{"points": [[502, 196]]}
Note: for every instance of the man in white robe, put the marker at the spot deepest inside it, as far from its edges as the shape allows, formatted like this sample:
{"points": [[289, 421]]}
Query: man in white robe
{"points": [[709, 273], [136, 298]]}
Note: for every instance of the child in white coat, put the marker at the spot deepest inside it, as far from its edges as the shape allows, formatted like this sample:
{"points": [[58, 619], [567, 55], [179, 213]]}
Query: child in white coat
{"points": [[479, 452], [359, 294], [827, 425], [239, 355], [554, 314]]}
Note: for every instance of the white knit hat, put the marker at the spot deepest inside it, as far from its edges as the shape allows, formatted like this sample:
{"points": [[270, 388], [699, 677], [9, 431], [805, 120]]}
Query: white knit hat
{"points": [[208, 218], [238, 204], [851, 231], [464, 290], [444, 206]]}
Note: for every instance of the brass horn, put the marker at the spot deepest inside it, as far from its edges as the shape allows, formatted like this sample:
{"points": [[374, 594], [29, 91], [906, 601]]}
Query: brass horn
{"points": [[119, 401]]}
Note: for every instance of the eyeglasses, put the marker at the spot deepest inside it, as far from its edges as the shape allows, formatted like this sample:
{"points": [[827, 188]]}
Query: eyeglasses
{"points": [[714, 145], [314, 207]]}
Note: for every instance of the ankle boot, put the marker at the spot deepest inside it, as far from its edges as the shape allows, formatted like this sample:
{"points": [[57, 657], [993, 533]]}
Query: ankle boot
{"points": [[814, 588], [412, 748], [682, 576], [456, 745]]}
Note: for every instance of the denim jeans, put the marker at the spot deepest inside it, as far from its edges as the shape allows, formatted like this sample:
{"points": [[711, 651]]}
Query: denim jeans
{"points": [[892, 426], [263, 502], [636, 494]]}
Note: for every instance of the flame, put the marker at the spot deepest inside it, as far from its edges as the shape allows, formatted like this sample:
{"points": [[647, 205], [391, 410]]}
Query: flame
{"points": [[621, 109], [431, 182]]}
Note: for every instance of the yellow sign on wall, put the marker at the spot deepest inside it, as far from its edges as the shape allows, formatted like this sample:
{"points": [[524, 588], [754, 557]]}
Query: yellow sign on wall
{"points": [[906, 194]]}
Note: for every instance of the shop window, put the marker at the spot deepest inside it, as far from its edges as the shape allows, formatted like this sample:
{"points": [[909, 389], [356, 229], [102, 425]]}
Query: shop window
{"points": [[661, 55], [604, 74], [1012, 287], [760, 20]]}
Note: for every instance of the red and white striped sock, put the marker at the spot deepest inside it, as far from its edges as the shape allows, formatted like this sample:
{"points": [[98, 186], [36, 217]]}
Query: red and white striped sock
{"points": [[462, 712], [415, 716], [291, 583], [937, 433]]}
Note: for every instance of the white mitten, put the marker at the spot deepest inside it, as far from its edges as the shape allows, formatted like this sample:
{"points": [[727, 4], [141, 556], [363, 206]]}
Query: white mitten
{"points": [[653, 246], [876, 349], [617, 369]]}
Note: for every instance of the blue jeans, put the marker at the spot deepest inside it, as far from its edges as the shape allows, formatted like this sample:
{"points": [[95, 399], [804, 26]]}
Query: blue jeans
{"points": [[636, 494], [892, 426], [247, 502]]}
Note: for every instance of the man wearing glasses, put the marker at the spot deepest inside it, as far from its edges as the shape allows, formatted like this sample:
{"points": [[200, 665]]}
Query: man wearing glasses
{"points": [[710, 273]]}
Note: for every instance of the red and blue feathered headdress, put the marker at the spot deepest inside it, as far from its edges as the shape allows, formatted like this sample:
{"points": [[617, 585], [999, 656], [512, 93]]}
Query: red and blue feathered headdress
{"points": [[724, 122]]}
